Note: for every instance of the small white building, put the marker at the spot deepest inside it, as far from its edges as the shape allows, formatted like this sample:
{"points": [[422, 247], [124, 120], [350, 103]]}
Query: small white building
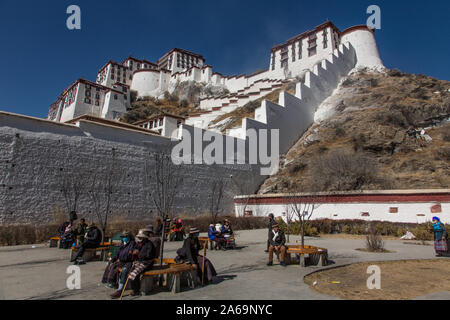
{"points": [[407, 206], [86, 97], [165, 124]]}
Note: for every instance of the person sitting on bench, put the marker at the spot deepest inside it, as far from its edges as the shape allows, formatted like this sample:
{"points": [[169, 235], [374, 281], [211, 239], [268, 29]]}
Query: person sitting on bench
{"points": [[277, 241], [122, 259], [189, 254], [81, 231], [214, 235], [92, 240], [144, 254], [226, 228], [177, 233], [61, 231], [67, 237]]}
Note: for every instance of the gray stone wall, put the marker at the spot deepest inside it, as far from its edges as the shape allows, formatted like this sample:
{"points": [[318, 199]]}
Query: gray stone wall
{"points": [[35, 154]]}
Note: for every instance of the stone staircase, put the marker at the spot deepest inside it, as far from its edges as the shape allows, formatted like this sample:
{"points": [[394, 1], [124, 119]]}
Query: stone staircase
{"points": [[215, 107]]}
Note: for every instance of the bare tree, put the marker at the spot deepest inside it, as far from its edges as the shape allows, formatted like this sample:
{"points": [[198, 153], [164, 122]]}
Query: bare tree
{"points": [[302, 208], [245, 183], [103, 190], [290, 216], [163, 179], [72, 185], [216, 196]]}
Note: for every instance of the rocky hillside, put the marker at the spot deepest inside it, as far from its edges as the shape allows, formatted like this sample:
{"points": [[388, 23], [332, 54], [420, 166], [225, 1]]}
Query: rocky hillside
{"points": [[182, 99], [368, 135]]}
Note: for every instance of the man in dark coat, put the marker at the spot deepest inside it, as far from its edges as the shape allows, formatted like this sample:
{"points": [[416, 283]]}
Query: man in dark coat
{"points": [[277, 241], [269, 226], [92, 240], [189, 254]]}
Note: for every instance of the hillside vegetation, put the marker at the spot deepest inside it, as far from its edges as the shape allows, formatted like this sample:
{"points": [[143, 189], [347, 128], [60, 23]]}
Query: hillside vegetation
{"points": [[182, 100], [366, 140]]}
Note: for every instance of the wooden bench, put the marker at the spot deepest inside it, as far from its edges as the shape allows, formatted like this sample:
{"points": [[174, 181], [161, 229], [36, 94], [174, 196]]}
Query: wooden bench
{"points": [[316, 255], [54, 242], [91, 253], [211, 243], [173, 274]]}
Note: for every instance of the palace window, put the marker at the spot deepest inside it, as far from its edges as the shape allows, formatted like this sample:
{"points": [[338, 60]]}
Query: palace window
{"points": [[299, 49], [97, 96], [161, 121], [293, 52], [325, 43], [312, 46], [393, 210], [112, 76], [115, 97], [437, 208], [87, 100], [97, 103]]}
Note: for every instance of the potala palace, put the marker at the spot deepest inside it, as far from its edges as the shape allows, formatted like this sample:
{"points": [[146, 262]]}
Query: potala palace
{"points": [[109, 96], [82, 132]]}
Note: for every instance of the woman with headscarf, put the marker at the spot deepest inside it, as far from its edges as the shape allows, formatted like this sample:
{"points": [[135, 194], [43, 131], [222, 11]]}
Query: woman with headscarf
{"points": [[122, 259], [189, 254], [440, 237]]}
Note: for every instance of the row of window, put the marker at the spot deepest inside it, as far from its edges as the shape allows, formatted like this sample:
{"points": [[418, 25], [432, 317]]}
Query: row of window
{"points": [[154, 124], [312, 49]]}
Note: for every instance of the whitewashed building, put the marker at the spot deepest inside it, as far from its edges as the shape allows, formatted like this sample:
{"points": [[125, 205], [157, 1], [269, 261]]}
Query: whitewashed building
{"points": [[408, 206], [165, 124], [90, 98]]}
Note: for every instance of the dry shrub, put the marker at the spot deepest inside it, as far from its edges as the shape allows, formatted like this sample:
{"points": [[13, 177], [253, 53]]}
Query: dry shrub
{"points": [[374, 242], [28, 234], [341, 170]]}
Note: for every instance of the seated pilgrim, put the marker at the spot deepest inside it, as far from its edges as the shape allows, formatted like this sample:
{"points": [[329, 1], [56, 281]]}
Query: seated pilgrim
{"points": [[189, 254]]}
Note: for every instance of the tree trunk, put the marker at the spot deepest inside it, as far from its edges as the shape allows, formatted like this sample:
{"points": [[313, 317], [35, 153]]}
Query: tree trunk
{"points": [[303, 234], [161, 250]]}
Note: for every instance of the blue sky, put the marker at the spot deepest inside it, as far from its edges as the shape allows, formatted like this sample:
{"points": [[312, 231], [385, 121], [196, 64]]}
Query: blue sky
{"points": [[41, 57]]}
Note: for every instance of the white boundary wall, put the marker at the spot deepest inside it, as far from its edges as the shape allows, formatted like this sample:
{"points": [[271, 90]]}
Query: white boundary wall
{"points": [[412, 206]]}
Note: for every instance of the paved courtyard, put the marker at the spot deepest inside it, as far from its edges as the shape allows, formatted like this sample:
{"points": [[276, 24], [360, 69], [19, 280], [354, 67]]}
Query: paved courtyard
{"points": [[39, 272]]}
